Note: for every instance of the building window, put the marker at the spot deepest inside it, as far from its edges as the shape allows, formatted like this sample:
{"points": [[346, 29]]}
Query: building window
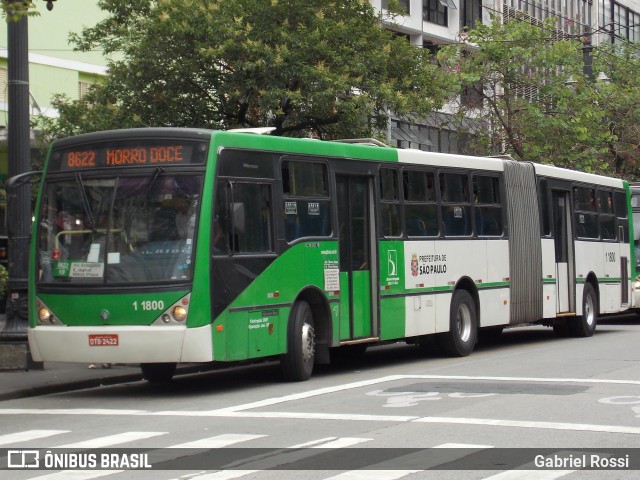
{"points": [[621, 22], [83, 88], [470, 13], [404, 5], [435, 11]]}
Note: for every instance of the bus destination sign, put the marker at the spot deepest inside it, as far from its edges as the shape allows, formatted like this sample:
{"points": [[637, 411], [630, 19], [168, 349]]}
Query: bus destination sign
{"points": [[87, 157]]}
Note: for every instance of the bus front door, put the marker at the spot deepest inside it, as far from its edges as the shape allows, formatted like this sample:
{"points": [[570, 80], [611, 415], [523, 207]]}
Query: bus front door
{"points": [[563, 240], [358, 309]]}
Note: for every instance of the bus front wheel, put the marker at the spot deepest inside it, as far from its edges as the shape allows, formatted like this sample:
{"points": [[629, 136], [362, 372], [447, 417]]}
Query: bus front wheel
{"points": [[158, 372], [297, 363], [585, 324], [461, 338]]}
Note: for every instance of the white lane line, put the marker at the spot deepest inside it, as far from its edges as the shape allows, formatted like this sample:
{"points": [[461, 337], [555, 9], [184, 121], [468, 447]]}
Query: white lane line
{"points": [[13, 438], [524, 379], [372, 475], [284, 456], [110, 440], [224, 475], [401, 419], [311, 393], [77, 475], [219, 441], [529, 475], [527, 424], [449, 452]]}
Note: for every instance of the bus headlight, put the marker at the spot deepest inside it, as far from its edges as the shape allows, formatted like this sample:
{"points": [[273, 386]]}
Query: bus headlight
{"points": [[179, 313], [44, 315], [176, 314]]}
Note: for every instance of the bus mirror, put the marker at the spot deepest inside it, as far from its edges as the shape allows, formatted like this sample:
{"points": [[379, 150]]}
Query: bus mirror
{"points": [[23, 178]]}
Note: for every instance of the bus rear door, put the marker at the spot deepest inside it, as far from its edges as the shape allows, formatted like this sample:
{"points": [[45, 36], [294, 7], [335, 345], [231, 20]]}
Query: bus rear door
{"points": [[564, 247], [358, 258]]}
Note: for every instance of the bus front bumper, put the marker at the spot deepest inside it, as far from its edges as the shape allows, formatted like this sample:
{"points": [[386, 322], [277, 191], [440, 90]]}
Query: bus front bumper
{"points": [[121, 344]]}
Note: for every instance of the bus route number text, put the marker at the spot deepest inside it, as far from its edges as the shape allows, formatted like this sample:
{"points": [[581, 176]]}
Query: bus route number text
{"points": [[610, 257], [148, 305], [85, 158]]}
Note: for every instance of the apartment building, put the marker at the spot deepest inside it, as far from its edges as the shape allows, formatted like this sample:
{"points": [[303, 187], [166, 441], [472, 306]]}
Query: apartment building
{"points": [[430, 23]]}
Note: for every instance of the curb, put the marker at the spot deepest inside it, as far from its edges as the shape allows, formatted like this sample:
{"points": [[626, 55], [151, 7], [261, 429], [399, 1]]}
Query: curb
{"points": [[72, 385]]}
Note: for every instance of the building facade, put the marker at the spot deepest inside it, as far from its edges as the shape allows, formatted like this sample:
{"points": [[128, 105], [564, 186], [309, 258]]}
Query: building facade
{"points": [[430, 23], [54, 68]]}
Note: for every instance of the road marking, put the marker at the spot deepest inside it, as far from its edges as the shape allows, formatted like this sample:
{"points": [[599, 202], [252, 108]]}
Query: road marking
{"points": [[528, 424], [284, 456], [373, 475], [530, 475], [77, 475], [219, 441], [13, 438], [110, 440], [242, 410]]}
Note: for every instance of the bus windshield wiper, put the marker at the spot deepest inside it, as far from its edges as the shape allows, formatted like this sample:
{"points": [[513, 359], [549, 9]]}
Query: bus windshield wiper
{"points": [[152, 181], [85, 199]]}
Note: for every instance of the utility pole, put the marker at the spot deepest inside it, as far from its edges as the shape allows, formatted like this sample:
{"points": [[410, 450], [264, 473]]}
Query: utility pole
{"points": [[587, 57], [14, 352]]}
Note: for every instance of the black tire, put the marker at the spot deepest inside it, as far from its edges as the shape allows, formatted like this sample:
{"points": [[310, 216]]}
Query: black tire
{"points": [[461, 338], [158, 372], [585, 324], [297, 363]]}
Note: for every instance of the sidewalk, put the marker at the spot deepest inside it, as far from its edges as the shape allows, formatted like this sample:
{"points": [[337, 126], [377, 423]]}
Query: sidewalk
{"points": [[61, 377]]}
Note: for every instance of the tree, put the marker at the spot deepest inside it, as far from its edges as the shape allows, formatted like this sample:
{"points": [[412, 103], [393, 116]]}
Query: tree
{"points": [[620, 101], [14, 9], [532, 100], [305, 67]]}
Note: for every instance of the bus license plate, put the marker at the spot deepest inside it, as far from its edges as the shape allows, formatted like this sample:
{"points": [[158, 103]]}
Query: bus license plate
{"points": [[103, 340]]}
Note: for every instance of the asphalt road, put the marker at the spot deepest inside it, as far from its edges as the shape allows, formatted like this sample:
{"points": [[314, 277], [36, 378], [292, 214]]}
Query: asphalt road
{"points": [[528, 405]]}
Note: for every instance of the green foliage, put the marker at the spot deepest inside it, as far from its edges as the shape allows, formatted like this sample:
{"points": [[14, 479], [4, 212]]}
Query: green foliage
{"points": [[536, 104], [4, 279], [13, 10], [620, 102], [303, 66]]}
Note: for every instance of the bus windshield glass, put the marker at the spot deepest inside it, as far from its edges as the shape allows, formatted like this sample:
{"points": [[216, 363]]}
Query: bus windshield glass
{"points": [[118, 229]]}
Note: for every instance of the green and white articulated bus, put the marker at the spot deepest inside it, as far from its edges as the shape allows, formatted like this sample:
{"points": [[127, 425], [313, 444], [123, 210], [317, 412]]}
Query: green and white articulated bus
{"points": [[160, 246]]}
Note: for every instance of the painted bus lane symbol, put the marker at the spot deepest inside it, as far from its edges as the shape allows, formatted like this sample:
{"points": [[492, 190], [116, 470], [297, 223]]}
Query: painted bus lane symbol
{"points": [[411, 399]]}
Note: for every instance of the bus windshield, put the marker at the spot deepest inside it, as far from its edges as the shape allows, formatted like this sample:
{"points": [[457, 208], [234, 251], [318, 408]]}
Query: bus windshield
{"points": [[118, 229]]}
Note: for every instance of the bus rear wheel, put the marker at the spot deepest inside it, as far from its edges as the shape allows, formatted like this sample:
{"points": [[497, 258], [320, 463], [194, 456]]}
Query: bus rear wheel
{"points": [[461, 338], [585, 324], [297, 363], [158, 372]]}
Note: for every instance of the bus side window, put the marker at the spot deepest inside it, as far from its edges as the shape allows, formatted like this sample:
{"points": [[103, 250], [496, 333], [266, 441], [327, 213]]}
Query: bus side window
{"points": [[421, 216], [307, 210], [390, 203], [456, 208], [221, 220], [487, 205], [251, 218], [586, 217]]}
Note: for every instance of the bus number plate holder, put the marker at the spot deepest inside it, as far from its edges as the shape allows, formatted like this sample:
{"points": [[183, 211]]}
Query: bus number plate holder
{"points": [[104, 340]]}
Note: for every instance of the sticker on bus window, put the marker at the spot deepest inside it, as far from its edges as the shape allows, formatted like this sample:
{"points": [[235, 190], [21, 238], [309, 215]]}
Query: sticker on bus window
{"points": [[314, 208], [290, 208], [86, 270], [331, 276]]}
